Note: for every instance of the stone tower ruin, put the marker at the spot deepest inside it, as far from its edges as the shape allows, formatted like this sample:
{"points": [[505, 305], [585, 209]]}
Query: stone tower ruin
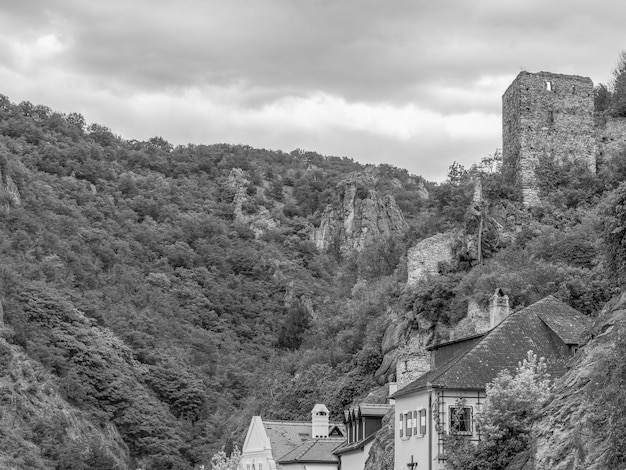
{"points": [[546, 114]]}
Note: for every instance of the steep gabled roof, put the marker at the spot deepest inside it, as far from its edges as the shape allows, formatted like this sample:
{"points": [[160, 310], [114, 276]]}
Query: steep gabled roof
{"points": [[313, 451], [367, 410], [285, 436], [506, 345], [568, 324], [345, 447]]}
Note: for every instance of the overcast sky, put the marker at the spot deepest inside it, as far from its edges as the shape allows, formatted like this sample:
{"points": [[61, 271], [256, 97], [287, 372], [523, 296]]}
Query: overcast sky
{"points": [[413, 83]]}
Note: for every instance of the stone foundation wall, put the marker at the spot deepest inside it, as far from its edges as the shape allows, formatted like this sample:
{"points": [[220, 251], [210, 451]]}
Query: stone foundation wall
{"points": [[411, 366]]}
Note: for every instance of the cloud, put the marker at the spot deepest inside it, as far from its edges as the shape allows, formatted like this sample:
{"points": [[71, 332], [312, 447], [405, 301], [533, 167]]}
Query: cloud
{"points": [[413, 83]]}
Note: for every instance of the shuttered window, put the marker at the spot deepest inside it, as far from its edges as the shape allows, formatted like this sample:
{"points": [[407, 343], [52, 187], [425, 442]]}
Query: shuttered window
{"points": [[422, 423]]}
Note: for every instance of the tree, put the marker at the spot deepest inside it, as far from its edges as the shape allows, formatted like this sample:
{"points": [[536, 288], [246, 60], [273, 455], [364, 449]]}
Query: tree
{"points": [[613, 224], [296, 323], [601, 98], [619, 86], [221, 461], [505, 419]]}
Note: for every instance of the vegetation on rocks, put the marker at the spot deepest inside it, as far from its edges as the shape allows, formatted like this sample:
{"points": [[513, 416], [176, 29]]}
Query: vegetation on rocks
{"points": [[168, 293]]}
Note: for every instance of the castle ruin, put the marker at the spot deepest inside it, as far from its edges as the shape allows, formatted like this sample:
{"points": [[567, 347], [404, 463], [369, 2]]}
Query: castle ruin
{"points": [[546, 114]]}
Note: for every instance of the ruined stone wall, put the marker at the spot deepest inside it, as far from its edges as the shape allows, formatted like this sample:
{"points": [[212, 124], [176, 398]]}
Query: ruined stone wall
{"points": [[423, 259], [546, 114]]}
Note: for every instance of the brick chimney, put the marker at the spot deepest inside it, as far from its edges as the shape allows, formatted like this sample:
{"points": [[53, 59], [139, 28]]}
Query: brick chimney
{"points": [[319, 421], [498, 307]]}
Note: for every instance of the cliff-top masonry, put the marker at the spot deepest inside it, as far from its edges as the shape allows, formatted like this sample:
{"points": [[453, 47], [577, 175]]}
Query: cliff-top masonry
{"points": [[546, 114]]}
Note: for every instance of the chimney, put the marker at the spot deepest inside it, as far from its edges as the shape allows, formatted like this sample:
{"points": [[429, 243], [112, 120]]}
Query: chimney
{"points": [[498, 307], [319, 421]]}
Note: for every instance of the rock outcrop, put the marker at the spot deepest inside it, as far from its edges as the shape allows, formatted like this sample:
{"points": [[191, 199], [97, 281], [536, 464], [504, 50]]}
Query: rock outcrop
{"points": [[260, 220], [565, 435], [381, 456], [362, 216], [424, 258], [9, 193]]}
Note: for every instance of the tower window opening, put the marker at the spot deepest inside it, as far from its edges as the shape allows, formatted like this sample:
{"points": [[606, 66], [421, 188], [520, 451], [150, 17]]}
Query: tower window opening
{"points": [[549, 86]]}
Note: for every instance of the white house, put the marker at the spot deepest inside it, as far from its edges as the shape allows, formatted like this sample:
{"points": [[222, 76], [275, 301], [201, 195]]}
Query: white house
{"points": [[362, 422], [443, 401], [292, 445]]}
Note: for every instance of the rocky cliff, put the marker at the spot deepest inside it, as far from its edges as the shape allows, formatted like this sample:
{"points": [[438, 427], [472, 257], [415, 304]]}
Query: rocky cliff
{"points": [[568, 435], [361, 216], [258, 218], [424, 258], [381, 456]]}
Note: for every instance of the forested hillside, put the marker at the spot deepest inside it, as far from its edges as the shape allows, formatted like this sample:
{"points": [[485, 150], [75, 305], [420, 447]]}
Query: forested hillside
{"points": [[162, 305]]}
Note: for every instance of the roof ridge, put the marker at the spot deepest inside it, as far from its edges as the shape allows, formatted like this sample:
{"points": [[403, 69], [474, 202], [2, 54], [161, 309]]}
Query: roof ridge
{"points": [[523, 318], [296, 423]]}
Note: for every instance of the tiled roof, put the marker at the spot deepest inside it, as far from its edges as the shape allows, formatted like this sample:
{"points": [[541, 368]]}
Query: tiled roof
{"points": [[366, 409], [345, 447], [313, 450], [505, 346], [285, 436], [567, 323]]}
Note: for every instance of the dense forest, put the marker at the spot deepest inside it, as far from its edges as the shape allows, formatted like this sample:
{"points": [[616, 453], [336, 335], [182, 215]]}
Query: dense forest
{"points": [[147, 317]]}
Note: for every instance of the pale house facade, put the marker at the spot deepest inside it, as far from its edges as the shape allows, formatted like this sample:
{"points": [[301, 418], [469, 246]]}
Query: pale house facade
{"points": [[292, 445], [362, 422], [444, 401]]}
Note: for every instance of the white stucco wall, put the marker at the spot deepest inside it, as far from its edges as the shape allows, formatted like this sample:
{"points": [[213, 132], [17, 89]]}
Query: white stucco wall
{"points": [[355, 460], [424, 449]]}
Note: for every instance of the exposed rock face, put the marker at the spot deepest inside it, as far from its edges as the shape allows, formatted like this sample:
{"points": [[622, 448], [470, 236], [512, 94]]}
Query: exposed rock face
{"points": [[565, 439], [394, 338], [381, 453], [361, 217], [423, 259], [260, 221], [9, 193], [405, 357]]}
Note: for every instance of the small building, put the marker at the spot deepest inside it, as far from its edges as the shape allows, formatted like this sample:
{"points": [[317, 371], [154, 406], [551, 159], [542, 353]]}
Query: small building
{"points": [[362, 422], [292, 445], [443, 401]]}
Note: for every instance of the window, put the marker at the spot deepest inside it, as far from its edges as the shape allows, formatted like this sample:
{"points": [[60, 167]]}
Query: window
{"points": [[549, 86], [260, 466], [460, 420], [422, 421], [408, 423]]}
